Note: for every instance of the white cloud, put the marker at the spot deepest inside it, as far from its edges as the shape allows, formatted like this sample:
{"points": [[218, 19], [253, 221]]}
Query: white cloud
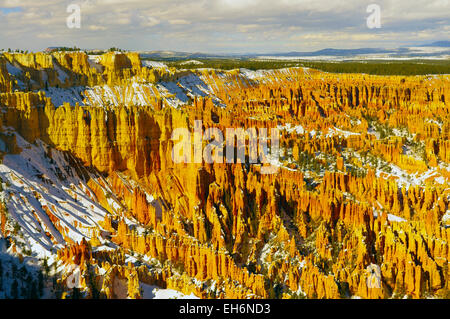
{"points": [[45, 36], [222, 25], [97, 27], [179, 21]]}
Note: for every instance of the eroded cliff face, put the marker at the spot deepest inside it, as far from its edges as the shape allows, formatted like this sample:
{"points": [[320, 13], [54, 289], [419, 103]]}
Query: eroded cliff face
{"points": [[362, 182]]}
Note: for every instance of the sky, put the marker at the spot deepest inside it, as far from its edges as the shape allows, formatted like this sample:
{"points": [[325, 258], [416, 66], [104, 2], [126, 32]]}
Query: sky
{"points": [[222, 26]]}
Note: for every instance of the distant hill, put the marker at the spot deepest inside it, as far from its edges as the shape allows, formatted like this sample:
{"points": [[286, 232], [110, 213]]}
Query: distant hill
{"points": [[442, 44], [176, 55], [335, 52]]}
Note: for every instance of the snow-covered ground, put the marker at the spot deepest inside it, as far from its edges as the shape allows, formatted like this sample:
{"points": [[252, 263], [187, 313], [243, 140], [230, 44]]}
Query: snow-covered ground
{"points": [[138, 93], [289, 128], [155, 292], [154, 64], [49, 205], [195, 62], [40, 192], [391, 217]]}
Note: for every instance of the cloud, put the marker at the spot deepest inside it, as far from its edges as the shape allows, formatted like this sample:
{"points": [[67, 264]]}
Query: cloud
{"points": [[97, 27], [45, 36], [222, 25], [248, 27], [179, 21], [149, 21]]}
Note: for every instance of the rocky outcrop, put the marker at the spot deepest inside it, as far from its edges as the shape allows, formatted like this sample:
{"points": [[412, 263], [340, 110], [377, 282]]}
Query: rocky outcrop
{"points": [[362, 183]]}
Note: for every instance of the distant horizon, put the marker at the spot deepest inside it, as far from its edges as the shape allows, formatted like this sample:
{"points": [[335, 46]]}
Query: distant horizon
{"points": [[432, 44]]}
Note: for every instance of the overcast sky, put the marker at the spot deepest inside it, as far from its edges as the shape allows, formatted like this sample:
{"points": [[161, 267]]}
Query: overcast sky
{"points": [[222, 26]]}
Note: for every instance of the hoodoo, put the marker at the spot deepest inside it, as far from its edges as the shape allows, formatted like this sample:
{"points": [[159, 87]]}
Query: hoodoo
{"points": [[88, 179]]}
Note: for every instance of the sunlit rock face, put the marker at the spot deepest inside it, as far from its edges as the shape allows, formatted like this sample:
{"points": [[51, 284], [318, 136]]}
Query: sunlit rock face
{"points": [[89, 182]]}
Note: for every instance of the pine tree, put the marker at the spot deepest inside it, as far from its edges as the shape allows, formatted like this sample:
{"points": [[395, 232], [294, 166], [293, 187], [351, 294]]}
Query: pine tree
{"points": [[40, 284], [75, 293], [33, 290], [15, 289]]}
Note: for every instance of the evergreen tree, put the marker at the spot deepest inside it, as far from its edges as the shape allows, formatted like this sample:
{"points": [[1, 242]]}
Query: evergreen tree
{"points": [[15, 289], [75, 293], [40, 284], [33, 291], [46, 267]]}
